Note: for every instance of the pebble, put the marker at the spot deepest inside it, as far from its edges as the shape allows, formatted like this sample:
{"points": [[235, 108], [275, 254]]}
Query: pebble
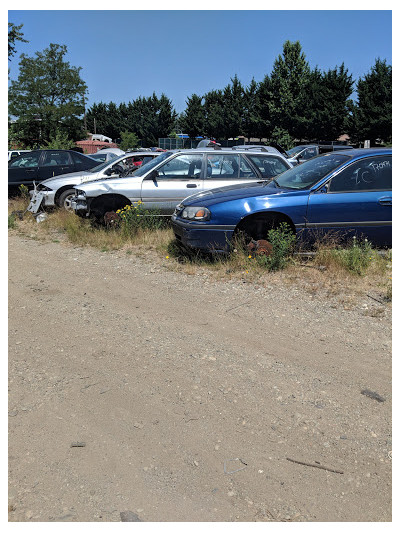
{"points": [[128, 516]]}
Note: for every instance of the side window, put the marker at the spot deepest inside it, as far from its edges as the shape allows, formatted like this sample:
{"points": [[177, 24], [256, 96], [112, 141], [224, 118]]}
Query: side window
{"points": [[269, 166], [227, 167], [53, 159], [26, 161], [181, 167], [372, 174]]}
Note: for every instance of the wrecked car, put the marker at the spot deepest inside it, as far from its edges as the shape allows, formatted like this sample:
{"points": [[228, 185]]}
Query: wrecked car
{"points": [[174, 175], [59, 190]]}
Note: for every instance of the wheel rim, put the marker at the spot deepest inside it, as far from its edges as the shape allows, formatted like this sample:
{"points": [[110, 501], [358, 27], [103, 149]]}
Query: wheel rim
{"points": [[67, 202]]}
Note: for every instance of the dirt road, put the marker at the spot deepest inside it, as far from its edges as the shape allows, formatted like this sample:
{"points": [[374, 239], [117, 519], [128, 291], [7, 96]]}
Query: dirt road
{"points": [[138, 390]]}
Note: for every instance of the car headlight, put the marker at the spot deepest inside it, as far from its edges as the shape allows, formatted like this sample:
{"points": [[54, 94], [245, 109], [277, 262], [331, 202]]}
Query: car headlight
{"points": [[196, 213], [41, 187]]}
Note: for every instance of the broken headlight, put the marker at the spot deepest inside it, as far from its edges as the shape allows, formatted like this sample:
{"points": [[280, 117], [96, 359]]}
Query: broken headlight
{"points": [[41, 187]]}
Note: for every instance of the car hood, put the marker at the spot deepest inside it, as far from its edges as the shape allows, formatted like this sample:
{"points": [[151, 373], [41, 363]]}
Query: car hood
{"points": [[70, 178], [235, 192]]}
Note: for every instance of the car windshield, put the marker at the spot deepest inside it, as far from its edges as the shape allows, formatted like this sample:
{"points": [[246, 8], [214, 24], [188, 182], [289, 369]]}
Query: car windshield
{"points": [[293, 151], [151, 164], [311, 172]]}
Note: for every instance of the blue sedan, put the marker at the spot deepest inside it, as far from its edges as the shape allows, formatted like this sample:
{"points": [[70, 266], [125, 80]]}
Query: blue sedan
{"points": [[344, 194]]}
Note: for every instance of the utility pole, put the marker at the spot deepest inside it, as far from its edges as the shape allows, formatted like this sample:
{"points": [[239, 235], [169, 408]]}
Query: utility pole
{"points": [[84, 113]]}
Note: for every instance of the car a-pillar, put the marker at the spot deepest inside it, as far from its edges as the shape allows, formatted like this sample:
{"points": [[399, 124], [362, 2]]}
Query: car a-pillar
{"points": [[253, 230]]}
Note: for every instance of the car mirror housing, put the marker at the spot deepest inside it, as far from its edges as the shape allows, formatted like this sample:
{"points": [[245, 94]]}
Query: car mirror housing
{"points": [[153, 175]]}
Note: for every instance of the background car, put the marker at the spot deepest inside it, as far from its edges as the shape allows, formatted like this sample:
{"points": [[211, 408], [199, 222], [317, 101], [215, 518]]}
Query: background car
{"points": [[304, 152], [38, 165], [58, 191], [101, 156], [12, 154], [174, 175], [344, 194]]}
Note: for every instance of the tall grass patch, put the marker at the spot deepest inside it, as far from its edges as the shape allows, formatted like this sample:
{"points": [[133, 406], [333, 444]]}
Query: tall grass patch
{"points": [[356, 258]]}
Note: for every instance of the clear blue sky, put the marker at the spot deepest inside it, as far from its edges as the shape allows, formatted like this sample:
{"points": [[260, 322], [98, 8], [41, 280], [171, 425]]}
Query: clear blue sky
{"points": [[127, 54]]}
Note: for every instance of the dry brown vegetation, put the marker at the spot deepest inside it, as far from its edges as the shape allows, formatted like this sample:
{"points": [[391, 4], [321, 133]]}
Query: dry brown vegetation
{"points": [[324, 273]]}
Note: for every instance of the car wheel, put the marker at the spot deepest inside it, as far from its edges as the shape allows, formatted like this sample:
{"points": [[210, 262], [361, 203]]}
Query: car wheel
{"points": [[64, 200]]}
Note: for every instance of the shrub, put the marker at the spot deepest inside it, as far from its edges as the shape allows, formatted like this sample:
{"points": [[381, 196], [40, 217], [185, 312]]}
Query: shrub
{"points": [[24, 191], [12, 224], [136, 216], [282, 240]]}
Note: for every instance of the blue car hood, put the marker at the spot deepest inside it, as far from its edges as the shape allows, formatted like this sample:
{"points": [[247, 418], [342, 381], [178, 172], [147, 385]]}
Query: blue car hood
{"points": [[235, 192]]}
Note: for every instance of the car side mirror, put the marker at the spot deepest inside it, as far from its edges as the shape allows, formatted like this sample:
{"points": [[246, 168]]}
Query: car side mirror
{"points": [[153, 175], [108, 172]]}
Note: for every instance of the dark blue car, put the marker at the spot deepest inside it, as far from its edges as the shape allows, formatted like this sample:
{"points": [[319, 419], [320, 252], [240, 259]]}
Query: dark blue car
{"points": [[346, 194]]}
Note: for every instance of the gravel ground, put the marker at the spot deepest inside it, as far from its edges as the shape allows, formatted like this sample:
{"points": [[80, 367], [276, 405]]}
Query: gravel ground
{"points": [[140, 393]]}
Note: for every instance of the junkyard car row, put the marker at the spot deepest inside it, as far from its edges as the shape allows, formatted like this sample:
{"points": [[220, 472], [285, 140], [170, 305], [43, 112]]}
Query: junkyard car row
{"points": [[246, 190], [162, 183]]}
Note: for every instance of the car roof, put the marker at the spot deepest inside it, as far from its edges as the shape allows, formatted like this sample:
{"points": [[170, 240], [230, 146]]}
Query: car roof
{"points": [[357, 152], [262, 150]]}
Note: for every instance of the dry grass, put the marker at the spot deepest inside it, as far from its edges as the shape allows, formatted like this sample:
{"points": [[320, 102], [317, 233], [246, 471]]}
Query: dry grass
{"points": [[326, 274]]}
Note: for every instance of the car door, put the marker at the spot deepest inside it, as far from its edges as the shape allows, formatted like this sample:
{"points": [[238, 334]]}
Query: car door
{"points": [[227, 169], [357, 201], [23, 170], [54, 163], [172, 181]]}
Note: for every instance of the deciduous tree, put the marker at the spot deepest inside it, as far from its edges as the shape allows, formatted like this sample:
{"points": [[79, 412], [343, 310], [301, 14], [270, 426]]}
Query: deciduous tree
{"points": [[47, 97]]}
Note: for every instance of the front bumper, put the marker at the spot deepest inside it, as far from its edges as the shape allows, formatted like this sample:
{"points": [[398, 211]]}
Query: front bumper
{"points": [[80, 205], [44, 198], [202, 236]]}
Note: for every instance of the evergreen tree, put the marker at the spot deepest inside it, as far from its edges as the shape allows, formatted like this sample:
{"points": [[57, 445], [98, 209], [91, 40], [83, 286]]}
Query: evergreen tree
{"points": [[166, 115], [191, 121], [263, 107], [214, 114], [251, 110], [288, 81], [328, 106], [233, 108], [372, 116]]}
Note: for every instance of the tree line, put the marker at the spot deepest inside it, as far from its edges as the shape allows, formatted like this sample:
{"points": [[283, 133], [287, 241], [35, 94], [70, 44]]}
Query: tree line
{"points": [[293, 102]]}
